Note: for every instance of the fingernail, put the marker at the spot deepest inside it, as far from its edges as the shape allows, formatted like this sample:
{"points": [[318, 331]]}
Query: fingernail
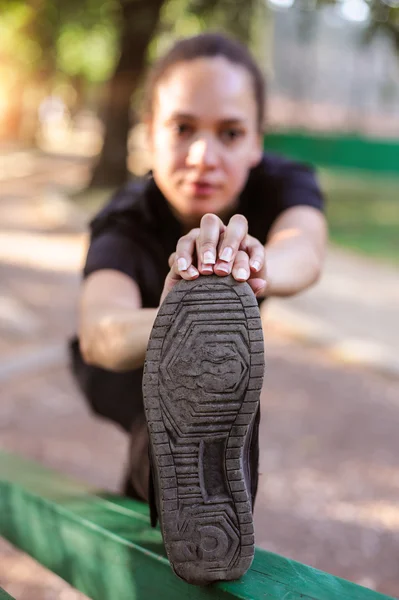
{"points": [[242, 274], [227, 254], [192, 271], [207, 269], [182, 264], [224, 268], [209, 258], [256, 265]]}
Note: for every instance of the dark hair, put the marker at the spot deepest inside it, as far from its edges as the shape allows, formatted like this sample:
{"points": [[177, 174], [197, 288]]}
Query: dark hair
{"points": [[206, 45]]}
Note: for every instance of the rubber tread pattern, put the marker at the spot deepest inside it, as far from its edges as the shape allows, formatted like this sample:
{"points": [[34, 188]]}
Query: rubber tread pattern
{"points": [[202, 379]]}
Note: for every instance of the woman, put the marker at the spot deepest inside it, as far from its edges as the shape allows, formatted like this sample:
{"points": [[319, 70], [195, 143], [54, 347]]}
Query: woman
{"points": [[215, 206]]}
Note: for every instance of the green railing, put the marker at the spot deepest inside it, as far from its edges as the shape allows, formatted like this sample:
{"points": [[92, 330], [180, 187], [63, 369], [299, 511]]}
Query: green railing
{"points": [[5, 596], [337, 151], [104, 546]]}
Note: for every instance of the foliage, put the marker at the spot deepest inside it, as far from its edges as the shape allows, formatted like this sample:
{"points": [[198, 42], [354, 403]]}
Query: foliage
{"points": [[82, 38], [179, 18], [384, 18], [235, 16], [71, 37]]}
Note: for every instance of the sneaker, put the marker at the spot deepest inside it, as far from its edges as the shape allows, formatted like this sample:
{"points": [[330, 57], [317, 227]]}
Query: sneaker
{"points": [[202, 380]]}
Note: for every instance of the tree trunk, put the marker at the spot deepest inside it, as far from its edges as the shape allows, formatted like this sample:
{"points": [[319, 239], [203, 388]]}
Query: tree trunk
{"points": [[140, 19], [14, 113]]}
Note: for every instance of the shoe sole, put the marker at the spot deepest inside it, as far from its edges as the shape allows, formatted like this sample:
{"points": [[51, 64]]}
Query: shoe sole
{"points": [[202, 380]]}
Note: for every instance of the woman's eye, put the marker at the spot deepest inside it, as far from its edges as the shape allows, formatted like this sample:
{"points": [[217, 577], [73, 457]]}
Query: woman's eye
{"points": [[230, 135], [183, 129]]}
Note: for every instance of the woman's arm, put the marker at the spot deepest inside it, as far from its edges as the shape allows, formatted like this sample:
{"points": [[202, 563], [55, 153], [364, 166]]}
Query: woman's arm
{"points": [[290, 261], [295, 251], [114, 329]]}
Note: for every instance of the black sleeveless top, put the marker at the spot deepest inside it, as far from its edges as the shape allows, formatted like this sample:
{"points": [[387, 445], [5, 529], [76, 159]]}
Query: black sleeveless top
{"points": [[136, 231]]}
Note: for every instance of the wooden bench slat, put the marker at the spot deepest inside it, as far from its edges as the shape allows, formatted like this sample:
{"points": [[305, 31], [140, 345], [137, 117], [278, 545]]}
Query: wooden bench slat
{"points": [[104, 546]]}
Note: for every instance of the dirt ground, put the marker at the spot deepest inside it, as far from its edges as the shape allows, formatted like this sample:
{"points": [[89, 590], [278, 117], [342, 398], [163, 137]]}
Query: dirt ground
{"points": [[329, 484]]}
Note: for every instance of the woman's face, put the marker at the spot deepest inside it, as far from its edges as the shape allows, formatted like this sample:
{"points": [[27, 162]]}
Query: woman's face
{"points": [[203, 136]]}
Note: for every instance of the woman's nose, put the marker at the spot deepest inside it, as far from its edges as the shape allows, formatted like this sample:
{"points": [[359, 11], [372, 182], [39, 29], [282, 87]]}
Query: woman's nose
{"points": [[202, 153]]}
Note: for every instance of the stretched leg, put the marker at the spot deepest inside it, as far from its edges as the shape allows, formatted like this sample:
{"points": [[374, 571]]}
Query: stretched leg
{"points": [[138, 470], [119, 398]]}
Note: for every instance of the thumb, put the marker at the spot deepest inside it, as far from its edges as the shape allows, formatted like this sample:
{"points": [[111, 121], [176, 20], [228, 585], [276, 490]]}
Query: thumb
{"points": [[258, 285], [171, 279]]}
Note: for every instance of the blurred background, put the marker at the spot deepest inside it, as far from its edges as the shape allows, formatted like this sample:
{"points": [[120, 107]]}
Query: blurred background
{"points": [[71, 77]]}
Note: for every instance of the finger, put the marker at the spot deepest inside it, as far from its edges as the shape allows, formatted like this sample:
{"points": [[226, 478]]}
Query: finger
{"points": [[256, 252], [221, 267], [188, 274], [207, 242], [258, 285], [185, 250], [171, 279], [241, 271], [171, 259], [234, 235], [174, 276]]}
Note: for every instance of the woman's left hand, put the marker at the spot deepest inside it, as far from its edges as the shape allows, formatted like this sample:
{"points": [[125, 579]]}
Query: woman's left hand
{"points": [[222, 250]]}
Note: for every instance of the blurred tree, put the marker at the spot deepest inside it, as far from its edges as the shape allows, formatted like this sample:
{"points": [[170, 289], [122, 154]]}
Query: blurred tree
{"points": [[67, 39], [384, 17], [139, 19], [16, 31]]}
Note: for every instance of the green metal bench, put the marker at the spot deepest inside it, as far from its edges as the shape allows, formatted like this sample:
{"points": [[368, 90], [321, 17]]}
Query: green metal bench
{"points": [[104, 546]]}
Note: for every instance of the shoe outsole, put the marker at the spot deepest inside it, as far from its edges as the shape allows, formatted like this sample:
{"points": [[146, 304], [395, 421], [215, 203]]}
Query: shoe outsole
{"points": [[202, 380]]}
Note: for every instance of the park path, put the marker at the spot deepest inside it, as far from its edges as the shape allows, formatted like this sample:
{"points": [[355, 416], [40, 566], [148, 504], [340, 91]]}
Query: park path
{"points": [[329, 447], [352, 313]]}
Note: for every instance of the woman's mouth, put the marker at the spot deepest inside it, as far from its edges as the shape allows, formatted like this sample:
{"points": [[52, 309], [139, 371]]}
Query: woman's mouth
{"points": [[201, 188]]}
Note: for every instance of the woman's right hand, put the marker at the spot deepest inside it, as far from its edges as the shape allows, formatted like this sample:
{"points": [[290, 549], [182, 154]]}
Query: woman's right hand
{"points": [[216, 248]]}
